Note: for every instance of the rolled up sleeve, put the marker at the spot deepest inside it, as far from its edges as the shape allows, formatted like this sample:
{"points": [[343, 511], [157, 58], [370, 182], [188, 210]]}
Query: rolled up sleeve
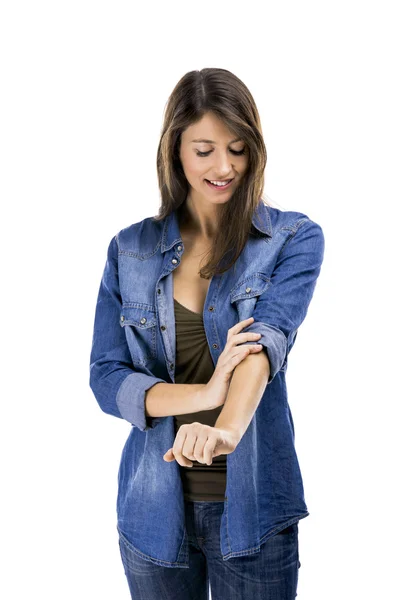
{"points": [[283, 306], [119, 389], [131, 400]]}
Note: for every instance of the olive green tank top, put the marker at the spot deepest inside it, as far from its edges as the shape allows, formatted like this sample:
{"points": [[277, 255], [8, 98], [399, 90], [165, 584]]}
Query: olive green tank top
{"points": [[194, 364]]}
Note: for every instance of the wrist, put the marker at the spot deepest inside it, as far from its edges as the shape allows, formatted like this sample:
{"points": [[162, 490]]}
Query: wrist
{"points": [[204, 398]]}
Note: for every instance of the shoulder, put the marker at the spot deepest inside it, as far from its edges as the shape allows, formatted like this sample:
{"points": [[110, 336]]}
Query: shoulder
{"points": [[286, 219], [142, 237], [290, 223], [294, 230]]}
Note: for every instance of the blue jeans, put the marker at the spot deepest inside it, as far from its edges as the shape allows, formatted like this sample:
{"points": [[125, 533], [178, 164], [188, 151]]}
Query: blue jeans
{"points": [[271, 574]]}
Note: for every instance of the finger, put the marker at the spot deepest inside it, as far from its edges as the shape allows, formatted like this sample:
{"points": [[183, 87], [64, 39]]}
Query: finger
{"points": [[209, 450], [169, 455], [183, 460], [177, 449], [241, 350], [241, 339], [245, 336], [233, 357], [198, 451], [239, 326], [188, 446]]}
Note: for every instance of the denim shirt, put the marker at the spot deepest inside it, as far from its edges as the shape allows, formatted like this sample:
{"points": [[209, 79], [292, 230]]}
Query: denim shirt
{"points": [[133, 348]]}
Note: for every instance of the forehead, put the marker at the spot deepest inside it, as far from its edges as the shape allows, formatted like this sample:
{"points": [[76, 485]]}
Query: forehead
{"points": [[209, 128]]}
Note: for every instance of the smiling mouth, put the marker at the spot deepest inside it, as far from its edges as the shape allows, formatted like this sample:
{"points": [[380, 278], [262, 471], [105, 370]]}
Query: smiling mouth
{"points": [[219, 186]]}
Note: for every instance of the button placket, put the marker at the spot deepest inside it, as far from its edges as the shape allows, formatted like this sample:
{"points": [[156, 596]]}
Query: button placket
{"points": [[165, 334]]}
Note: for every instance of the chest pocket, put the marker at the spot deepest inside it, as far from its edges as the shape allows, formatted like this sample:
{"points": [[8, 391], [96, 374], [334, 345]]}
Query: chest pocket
{"points": [[244, 295], [139, 322]]}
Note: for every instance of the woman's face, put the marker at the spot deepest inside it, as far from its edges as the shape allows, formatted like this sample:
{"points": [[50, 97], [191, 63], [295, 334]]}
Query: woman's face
{"points": [[209, 152]]}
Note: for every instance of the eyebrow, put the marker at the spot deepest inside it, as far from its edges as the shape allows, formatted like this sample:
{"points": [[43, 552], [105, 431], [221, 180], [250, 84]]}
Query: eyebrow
{"points": [[211, 142]]}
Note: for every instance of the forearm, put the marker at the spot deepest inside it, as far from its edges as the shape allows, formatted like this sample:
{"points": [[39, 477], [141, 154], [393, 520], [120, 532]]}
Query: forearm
{"points": [[246, 389], [170, 399]]}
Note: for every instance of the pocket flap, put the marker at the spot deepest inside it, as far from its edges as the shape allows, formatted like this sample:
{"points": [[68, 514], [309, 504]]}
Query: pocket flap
{"points": [[251, 286], [139, 315]]}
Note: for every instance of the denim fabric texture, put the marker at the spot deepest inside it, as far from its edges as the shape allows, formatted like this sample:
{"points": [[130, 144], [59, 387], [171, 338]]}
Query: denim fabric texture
{"points": [[133, 348], [271, 574]]}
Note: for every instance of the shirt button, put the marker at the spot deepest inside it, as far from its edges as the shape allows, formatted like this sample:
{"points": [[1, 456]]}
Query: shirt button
{"points": [[171, 365], [163, 328], [143, 320], [122, 318], [215, 346], [179, 248], [248, 290], [211, 308], [174, 261]]}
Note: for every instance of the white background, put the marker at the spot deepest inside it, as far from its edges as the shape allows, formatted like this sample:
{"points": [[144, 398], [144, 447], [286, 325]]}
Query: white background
{"points": [[84, 86]]}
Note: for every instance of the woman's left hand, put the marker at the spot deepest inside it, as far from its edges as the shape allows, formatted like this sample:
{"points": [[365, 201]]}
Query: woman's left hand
{"points": [[196, 441]]}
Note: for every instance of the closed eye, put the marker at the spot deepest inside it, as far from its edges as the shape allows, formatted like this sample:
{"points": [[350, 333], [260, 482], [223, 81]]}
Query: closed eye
{"points": [[236, 152]]}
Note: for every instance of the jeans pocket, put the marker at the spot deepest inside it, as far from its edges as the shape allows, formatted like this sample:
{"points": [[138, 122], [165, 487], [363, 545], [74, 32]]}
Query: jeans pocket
{"points": [[286, 531], [133, 563]]}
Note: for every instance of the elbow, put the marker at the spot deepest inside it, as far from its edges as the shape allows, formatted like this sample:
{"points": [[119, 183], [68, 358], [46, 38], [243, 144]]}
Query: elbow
{"points": [[104, 396]]}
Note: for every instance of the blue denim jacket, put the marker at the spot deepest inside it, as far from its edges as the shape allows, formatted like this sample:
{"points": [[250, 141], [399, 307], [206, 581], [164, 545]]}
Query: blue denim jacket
{"points": [[133, 348]]}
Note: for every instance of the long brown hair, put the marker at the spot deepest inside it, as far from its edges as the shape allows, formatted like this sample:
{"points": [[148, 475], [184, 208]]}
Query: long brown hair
{"points": [[218, 91]]}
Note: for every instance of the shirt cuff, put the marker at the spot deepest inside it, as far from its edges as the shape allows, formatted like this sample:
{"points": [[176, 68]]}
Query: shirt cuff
{"points": [[275, 343], [131, 400]]}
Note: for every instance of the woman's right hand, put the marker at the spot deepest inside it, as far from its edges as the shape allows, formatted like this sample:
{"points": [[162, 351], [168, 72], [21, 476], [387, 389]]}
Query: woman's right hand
{"points": [[216, 390]]}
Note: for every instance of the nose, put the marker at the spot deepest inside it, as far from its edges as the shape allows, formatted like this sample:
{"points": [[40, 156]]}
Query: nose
{"points": [[223, 166]]}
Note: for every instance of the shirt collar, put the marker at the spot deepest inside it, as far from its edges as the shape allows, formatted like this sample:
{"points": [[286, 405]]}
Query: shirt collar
{"points": [[171, 233]]}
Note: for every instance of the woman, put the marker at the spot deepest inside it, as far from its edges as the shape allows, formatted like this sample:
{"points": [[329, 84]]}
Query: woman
{"points": [[197, 311]]}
